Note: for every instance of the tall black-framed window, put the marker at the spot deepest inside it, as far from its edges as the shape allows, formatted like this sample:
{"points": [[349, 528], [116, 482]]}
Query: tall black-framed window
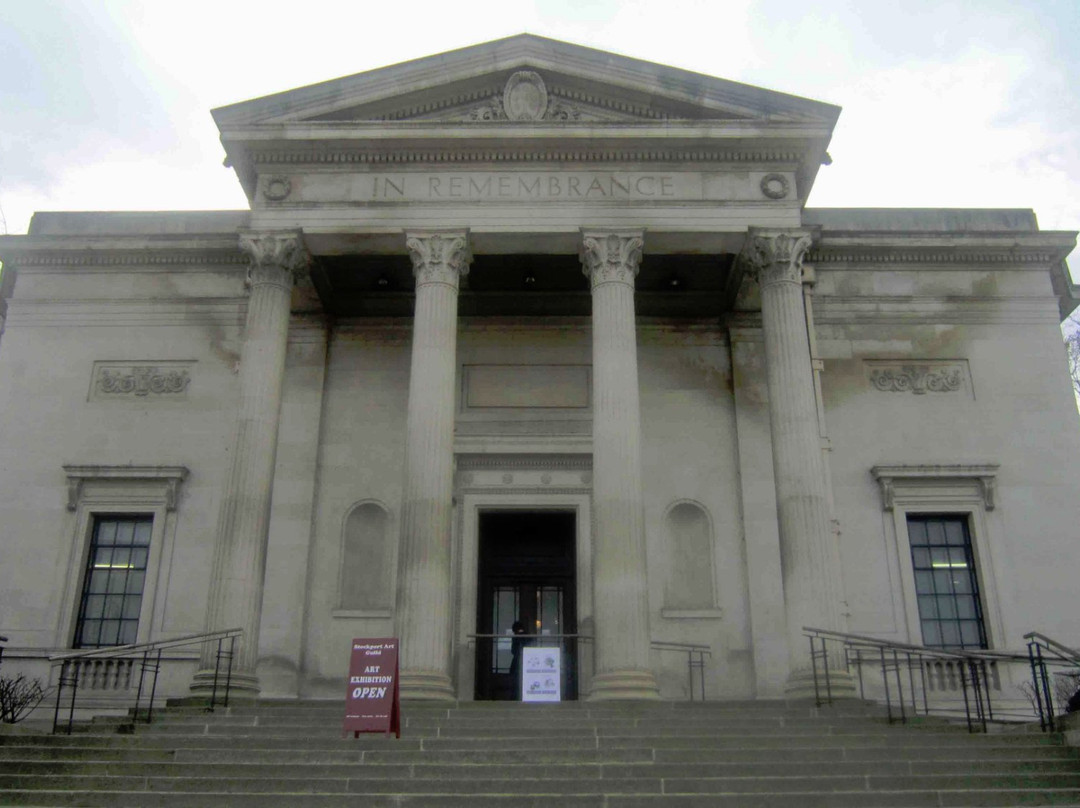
{"points": [[113, 584], [946, 581]]}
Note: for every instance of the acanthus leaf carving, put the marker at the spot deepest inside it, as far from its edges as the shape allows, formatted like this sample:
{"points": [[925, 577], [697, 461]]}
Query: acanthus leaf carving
{"points": [[439, 257], [776, 256], [277, 258], [611, 256]]}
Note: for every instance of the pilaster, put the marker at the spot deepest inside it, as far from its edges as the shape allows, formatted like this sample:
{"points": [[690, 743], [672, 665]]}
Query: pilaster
{"points": [[610, 260], [423, 610]]}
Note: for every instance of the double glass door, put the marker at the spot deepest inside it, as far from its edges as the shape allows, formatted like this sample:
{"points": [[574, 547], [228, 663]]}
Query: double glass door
{"points": [[526, 576]]}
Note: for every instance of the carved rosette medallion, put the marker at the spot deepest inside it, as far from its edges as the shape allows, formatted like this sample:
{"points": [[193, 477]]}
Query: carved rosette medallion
{"points": [[276, 258], [439, 257], [776, 256], [611, 257], [525, 97], [917, 379]]}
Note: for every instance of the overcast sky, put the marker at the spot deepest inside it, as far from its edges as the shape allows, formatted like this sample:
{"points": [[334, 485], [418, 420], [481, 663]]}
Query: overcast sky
{"points": [[104, 104]]}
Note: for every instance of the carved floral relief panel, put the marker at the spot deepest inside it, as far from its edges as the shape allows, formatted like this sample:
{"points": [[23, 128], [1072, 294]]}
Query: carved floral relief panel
{"points": [[919, 377], [143, 380]]}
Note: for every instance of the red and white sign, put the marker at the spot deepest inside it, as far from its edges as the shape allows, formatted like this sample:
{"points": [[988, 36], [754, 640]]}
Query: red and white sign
{"points": [[371, 700]]}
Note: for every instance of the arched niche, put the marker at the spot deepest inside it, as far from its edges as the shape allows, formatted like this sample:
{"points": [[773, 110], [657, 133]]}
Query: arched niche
{"points": [[689, 550], [366, 583]]}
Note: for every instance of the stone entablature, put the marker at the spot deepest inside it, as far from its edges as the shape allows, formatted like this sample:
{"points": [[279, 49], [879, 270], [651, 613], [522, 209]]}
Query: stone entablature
{"points": [[526, 186]]}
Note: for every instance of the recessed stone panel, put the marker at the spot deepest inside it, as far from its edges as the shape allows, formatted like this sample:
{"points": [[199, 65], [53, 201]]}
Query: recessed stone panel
{"points": [[563, 387]]}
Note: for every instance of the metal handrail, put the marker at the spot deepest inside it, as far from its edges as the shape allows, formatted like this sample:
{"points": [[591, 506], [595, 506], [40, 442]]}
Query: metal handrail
{"points": [[1040, 676], [691, 649], [1063, 651], [975, 667], [70, 664]]}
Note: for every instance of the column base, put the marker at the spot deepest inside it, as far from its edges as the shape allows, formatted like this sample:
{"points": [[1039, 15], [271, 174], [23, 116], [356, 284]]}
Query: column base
{"points": [[426, 686], [800, 685], [243, 685], [623, 685]]}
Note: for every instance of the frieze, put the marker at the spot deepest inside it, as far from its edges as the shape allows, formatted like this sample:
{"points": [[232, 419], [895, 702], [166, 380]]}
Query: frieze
{"points": [[918, 378], [146, 380]]}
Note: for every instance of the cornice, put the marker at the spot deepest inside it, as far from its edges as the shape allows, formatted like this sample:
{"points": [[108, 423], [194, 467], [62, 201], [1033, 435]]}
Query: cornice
{"points": [[819, 256], [122, 258], [119, 250]]}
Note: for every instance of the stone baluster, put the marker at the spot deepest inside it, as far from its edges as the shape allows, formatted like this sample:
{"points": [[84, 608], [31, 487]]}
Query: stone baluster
{"points": [[423, 608], [775, 259], [621, 600], [236, 577]]}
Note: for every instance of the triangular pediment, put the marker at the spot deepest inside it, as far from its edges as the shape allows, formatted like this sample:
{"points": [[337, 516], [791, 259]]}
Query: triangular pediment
{"points": [[524, 79]]}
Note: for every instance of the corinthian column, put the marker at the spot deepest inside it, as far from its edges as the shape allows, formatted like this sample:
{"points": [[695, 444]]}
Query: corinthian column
{"points": [[424, 575], [621, 599], [810, 583], [236, 578]]}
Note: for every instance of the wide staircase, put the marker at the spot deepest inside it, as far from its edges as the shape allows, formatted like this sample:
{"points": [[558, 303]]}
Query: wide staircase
{"points": [[573, 754]]}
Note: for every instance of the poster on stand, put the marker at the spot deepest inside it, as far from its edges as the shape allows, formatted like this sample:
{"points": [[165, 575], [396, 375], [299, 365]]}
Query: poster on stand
{"points": [[541, 674], [372, 703]]}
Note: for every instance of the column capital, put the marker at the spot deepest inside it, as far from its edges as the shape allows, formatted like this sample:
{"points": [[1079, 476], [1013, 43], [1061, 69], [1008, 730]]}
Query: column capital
{"points": [[277, 257], [439, 256], [611, 256], [776, 256]]}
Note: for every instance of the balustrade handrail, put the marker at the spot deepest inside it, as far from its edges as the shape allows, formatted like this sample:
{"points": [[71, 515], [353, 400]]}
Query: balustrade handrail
{"points": [[72, 666], [139, 648], [976, 671]]}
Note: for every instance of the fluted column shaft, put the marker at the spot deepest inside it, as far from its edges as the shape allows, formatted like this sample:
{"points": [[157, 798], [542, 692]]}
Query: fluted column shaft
{"points": [[423, 612], [776, 257], [620, 587], [236, 582]]}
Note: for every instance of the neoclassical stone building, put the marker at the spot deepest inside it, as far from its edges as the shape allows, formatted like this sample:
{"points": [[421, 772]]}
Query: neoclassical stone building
{"points": [[528, 331]]}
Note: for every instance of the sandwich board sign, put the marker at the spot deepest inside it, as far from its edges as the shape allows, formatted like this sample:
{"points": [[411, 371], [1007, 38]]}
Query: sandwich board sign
{"points": [[372, 702], [541, 674]]}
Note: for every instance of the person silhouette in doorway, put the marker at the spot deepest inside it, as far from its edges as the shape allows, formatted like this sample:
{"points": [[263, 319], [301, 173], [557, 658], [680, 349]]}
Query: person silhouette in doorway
{"points": [[516, 644]]}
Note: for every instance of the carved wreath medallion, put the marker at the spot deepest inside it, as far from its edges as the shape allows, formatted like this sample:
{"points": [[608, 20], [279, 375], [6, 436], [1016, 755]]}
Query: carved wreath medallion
{"points": [[775, 186], [277, 188]]}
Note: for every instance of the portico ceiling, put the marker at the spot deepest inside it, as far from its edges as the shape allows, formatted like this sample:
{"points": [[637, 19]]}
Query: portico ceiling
{"points": [[691, 286]]}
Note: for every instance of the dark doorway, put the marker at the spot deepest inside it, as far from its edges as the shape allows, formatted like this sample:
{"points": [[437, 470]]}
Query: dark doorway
{"points": [[527, 573]]}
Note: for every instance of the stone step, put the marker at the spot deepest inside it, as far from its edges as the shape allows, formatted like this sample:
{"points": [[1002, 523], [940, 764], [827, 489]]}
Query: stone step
{"points": [[334, 740], [785, 799], [503, 771], [534, 784]]}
